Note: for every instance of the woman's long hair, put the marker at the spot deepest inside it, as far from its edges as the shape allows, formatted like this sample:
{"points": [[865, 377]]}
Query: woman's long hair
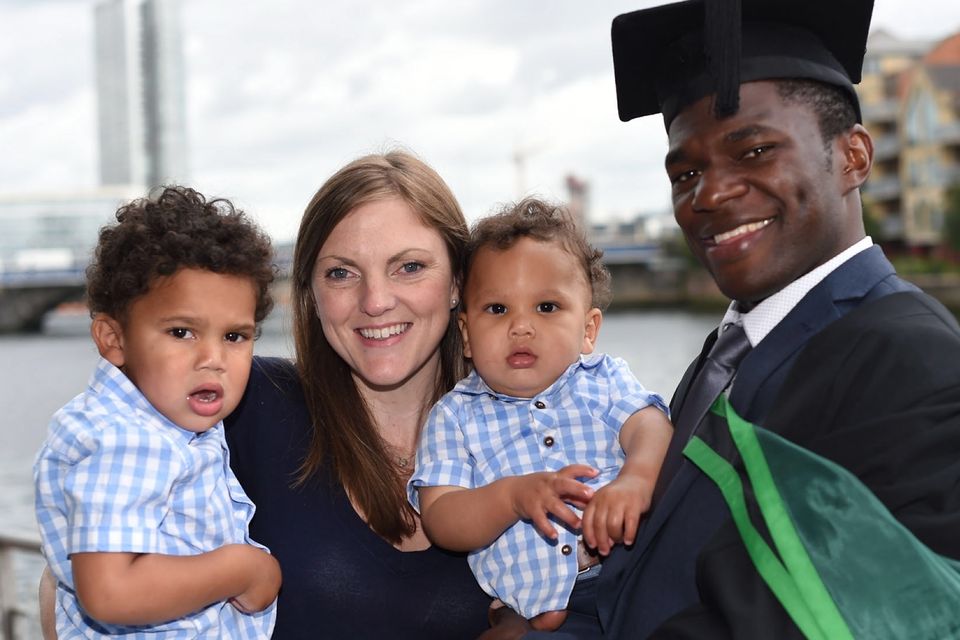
{"points": [[345, 437]]}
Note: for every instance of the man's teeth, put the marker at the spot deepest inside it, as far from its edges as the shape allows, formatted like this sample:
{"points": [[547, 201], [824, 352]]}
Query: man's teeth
{"points": [[384, 332], [742, 229]]}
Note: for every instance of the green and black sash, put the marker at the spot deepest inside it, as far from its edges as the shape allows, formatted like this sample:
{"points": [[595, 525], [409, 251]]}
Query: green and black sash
{"points": [[840, 564]]}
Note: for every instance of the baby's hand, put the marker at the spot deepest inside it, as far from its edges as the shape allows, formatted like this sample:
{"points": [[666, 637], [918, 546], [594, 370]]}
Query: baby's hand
{"points": [[264, 579], [614, 513], [535, 495]]}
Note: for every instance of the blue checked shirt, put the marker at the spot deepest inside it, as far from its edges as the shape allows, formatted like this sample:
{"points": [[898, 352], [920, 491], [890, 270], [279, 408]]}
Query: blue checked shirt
{"points": [[116, 476], [474, 436]]}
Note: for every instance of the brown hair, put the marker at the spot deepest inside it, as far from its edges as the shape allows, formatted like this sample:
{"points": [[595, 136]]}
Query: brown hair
{"points": [[344, 435], [175, 228], [539, 220]]}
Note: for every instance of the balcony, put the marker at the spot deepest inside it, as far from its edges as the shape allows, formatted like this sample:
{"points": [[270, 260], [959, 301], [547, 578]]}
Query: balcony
{"points": [[882, 189]]}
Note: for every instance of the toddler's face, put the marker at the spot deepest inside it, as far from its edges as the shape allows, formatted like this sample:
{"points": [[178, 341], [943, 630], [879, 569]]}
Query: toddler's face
{"points": [[188, 343], [528, 316]]}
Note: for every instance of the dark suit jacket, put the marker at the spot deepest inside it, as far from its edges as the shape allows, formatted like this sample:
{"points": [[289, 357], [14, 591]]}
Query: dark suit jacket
{"points": [[854, 390]]}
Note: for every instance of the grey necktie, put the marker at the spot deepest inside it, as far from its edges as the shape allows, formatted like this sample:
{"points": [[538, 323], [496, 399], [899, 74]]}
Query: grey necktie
{"points": [[714, 376]]}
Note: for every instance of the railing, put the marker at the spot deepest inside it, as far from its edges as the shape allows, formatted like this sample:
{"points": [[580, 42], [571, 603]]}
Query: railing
{"points": [[13, 615]]}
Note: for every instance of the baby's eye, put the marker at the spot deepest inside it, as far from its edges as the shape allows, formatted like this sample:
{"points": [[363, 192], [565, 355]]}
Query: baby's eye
{"points": [[547, 307], [236, 336], [180, 333], [496, 308]]}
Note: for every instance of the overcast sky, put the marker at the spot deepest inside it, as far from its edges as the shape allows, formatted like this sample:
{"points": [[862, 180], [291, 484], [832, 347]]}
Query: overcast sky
{"points": [[282, 93]]}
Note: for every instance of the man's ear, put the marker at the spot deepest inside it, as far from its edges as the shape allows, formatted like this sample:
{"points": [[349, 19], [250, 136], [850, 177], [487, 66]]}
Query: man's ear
{"points": [[107, 333], [591, 330], [462, 323], [856, 157]]}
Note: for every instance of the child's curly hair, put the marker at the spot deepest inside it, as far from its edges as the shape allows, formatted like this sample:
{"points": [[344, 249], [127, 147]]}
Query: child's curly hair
{"points": [[173, 229], [537, 219]]}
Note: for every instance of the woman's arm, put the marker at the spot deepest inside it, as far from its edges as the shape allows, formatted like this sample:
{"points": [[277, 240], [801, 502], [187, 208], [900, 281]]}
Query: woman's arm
{"points": [[48, 602], [130, 588]]}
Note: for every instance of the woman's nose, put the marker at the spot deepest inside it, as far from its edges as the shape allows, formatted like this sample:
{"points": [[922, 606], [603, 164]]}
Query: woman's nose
{"points": [[377, 297]]}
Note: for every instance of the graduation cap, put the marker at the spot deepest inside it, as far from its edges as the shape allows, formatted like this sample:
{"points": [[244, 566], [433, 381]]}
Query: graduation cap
{"points": [[667, 57]]}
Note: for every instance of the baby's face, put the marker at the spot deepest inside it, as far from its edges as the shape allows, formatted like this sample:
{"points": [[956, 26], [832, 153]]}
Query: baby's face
{"points": [[528, 316], [188, 343]]}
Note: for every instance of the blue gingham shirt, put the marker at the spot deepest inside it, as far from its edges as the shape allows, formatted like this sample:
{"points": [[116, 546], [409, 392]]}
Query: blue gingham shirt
{"points": [[116, 476], [474, 436]]}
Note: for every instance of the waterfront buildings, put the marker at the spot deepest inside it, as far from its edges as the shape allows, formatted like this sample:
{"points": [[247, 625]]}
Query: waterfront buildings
{"points": [[140, 98], [910, 94]]}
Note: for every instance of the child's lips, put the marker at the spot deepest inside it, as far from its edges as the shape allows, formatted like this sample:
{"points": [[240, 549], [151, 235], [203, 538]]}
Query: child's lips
{"points": [[521, 359], [206, 400]]}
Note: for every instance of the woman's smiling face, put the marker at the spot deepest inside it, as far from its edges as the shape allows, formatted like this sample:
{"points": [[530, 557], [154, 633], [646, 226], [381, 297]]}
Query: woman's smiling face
{"points": [[383, 286]]}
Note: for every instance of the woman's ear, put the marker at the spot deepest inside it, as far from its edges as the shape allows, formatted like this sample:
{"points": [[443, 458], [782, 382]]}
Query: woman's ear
{"points": [[107, 333], [857, 157]]}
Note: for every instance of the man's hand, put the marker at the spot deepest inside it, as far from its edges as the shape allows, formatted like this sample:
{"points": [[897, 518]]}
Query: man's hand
{"points": [[534, 496], [614, 513]]}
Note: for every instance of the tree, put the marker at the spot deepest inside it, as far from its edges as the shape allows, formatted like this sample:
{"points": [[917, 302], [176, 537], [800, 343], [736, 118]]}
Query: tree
{"points": [[951, 219]]}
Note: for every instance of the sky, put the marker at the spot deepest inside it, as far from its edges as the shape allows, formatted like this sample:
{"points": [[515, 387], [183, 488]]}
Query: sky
{"points": [[282, 93]]}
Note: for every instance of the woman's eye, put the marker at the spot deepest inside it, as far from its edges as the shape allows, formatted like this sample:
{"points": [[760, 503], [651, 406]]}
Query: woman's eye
{"points": [[547, 307], [411, 267], [337, 273]]}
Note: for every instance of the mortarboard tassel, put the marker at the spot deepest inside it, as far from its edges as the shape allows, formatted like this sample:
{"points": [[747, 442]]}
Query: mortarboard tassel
{"points": [[722, 42]]}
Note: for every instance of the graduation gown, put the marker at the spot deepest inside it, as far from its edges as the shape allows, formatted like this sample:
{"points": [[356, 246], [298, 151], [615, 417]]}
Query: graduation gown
{"points": [[865, 371]]}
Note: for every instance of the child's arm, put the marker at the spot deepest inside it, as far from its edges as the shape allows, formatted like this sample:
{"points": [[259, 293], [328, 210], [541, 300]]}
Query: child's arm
{"points": [[466, 519], [148, 588], [614, 513]]}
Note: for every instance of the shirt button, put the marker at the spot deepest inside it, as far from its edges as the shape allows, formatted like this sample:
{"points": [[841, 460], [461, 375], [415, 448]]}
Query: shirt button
{"points": [[548, 441], [566, 549], [539, 404]]}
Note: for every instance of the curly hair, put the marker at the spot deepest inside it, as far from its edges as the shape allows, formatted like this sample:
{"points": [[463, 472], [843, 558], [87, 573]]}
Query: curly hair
{"points": [[175, 228], [537, 219]]}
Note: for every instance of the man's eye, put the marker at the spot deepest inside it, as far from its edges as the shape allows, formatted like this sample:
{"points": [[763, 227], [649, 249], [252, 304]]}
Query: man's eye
{"points": [[757, 151], [496, 308], [684, 176], [547, 307]]}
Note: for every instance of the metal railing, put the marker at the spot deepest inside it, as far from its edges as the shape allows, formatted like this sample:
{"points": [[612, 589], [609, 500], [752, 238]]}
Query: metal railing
{"points": [[13, 615]]}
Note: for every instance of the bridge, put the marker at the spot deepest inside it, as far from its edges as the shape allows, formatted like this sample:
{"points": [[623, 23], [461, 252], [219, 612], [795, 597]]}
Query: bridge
{"points": [[34, 283]]}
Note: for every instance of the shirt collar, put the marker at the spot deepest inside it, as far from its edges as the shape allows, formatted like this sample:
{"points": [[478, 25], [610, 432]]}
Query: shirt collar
{"points": [[107, 379], [761, 320], [474, 385]]}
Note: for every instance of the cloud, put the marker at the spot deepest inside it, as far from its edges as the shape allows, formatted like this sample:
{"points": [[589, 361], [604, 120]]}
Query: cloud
{"points": [[281, 94]]}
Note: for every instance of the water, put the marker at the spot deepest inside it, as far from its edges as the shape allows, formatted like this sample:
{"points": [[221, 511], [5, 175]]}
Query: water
{"points": [[39, 373]]}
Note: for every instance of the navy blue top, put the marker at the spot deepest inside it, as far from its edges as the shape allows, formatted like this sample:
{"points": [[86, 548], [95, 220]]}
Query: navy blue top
{"points": [[340, 579]]}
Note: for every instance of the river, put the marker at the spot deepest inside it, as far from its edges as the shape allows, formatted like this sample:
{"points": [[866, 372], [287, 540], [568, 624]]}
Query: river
{"points": [[40, 372]]}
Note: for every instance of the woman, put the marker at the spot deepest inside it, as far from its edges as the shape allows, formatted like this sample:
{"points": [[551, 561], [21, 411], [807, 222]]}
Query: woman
{"points": [[375, 282]]}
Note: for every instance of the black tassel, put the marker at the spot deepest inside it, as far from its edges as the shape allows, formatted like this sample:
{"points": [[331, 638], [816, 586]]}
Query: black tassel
{"points": [[722, 43]]}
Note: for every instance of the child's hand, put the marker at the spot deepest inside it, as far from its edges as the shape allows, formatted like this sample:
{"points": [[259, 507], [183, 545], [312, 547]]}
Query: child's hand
{"points": [[535, 495], [614, 513], [264, 583]]}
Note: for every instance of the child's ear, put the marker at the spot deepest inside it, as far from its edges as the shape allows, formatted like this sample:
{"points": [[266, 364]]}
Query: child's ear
{"points": [[107, 333], [591, 330], [462, 323]]}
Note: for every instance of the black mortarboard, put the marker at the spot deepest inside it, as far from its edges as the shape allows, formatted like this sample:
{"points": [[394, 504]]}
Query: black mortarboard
{"points": [[667, 57]]}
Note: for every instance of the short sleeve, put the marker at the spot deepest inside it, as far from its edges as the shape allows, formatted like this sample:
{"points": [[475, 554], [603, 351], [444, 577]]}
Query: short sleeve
{"points": [[442, 457], [627, 395], [117, 494]]}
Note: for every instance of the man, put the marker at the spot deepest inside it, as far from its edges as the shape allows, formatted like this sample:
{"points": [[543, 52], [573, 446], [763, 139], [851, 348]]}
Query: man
{"points": [[766, 158]]}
